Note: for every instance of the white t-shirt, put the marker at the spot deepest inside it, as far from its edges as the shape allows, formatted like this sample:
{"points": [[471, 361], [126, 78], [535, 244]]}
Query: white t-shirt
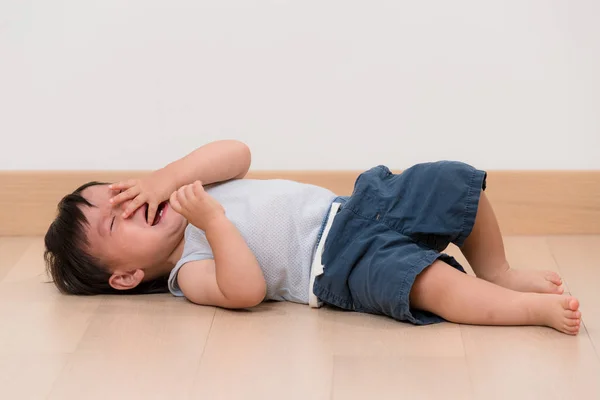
{"points": [[280, 221]]}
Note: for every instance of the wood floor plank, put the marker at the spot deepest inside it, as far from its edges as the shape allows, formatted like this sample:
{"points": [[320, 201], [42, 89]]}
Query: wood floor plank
{"points": [[11, 250], [43, 327], [277, 350], [29, 376], [364, 335], [530, 362], [137, 347], [360, 377], [30, 265]]}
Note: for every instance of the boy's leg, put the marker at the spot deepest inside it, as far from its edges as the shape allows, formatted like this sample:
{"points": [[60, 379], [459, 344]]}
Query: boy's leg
{"points": [[484, 250], [460, 298]]}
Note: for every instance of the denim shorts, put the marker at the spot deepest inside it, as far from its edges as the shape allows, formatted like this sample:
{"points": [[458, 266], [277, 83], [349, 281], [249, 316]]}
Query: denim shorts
{"points": [[390, 229]]}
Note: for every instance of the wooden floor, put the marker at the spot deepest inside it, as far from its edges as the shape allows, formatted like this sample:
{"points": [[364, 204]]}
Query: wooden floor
{"points": [[160, 347]]}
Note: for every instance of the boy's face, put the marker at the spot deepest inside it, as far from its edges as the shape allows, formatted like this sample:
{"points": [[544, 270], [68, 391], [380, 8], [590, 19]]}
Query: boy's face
{"points": [[130, 244]]}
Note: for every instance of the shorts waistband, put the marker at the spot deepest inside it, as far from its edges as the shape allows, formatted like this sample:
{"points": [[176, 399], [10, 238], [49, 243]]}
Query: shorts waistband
{"points": [[316, 268]]}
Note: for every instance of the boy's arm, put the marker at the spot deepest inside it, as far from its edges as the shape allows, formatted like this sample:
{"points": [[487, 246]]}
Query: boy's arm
{"points": [[234, 279], [237, 271], [198, 282], [214, 162]]}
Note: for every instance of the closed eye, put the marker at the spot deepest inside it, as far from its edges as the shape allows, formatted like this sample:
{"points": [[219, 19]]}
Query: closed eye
{"points": [[113, 220]]}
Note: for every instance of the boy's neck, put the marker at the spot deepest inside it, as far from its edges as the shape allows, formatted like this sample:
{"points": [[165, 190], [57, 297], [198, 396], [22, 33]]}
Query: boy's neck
{"points": [[165, 268], [176, 254]]}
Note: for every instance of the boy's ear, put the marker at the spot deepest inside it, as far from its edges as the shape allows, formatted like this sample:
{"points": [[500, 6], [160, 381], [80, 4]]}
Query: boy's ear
{"points": [[125, 280]]}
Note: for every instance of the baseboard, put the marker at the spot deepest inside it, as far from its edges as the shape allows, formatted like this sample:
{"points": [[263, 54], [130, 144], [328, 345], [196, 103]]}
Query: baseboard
{"points": [[525, 202]]}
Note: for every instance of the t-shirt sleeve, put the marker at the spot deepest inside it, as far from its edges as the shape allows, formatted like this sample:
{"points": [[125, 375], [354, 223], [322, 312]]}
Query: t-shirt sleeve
{"points": [[197, 248]]}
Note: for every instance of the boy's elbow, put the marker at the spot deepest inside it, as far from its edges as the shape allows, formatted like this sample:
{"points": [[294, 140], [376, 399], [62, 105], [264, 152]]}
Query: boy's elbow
{"points": [[245, 301], [253, 297], [259, 294], [244, 157]]}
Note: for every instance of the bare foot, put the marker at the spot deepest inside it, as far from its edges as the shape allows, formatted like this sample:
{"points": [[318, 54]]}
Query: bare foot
{"points": [[534, 281], [558, 312]]}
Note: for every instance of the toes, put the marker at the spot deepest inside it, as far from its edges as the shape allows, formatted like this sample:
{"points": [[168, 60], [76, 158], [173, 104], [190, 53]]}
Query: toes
{"points": [[572, 314], [554, 278], [552, 288], [571, 330], [573, 304], [570, 303], [573, 322]]}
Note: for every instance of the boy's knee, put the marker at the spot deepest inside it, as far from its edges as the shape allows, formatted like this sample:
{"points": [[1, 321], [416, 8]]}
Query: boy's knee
{"points": [[431, 286]]}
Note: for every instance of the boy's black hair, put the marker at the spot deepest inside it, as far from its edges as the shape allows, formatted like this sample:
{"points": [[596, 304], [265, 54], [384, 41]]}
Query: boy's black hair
{"points": [[72, 268]]}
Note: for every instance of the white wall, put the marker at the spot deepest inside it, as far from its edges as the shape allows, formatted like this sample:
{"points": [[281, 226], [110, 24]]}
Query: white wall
{"points": [[117, 84]]}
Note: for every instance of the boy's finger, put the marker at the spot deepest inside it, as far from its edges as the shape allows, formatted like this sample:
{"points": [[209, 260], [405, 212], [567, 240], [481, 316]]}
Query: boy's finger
{"points": [[189, 192], [152, 207], [197, 189], [174, 202], [181, 196], [123, 184], [134, 205], [126, 195]]}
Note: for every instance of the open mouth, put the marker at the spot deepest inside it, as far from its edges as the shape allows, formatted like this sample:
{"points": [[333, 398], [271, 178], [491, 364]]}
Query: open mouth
{"points": [[162, 207]]}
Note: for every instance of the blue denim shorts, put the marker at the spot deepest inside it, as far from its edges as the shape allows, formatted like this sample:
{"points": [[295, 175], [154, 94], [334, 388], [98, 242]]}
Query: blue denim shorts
{"points": [[390, 229]]}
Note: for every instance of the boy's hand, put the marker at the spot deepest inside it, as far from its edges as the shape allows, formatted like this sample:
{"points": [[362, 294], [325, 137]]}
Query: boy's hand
{"points": [[197, 206], [153, 190]]}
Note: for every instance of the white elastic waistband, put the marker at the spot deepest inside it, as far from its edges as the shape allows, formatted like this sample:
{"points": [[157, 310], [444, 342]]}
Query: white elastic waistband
{"points": [[316, 268]]}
